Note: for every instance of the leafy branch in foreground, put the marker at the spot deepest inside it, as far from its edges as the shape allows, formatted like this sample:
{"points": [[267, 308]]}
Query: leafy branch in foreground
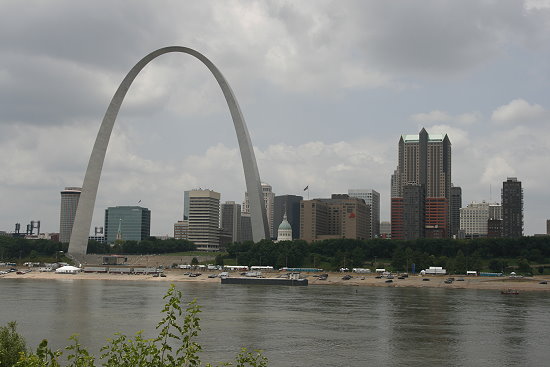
{"points": [[177, 330]]}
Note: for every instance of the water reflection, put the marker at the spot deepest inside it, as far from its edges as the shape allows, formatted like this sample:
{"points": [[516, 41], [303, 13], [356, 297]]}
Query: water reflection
{"points": [[423, 326], [298, 326]]}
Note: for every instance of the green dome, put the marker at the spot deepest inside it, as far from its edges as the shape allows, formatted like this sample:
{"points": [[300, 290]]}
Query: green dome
{"points": [[285, 225]]}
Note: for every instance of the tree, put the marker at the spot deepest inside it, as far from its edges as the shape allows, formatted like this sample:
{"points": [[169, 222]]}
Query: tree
{"points": [[11, 345], [194, 261], [460, 263], [524, 267]]}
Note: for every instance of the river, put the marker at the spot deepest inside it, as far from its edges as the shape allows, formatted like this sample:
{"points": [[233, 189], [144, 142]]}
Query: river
{"points": [[298, 326]]}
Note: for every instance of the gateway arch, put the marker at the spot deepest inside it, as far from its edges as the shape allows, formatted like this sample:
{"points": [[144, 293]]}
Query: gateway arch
{"points": [[81, 228]]}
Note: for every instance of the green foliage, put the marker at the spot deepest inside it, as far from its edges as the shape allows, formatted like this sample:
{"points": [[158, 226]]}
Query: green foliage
{"points": [[219, 260], [194, 261], [456, 255], [174, 346], [11, 345], [151, 245], [524, 267], [14, 248]]}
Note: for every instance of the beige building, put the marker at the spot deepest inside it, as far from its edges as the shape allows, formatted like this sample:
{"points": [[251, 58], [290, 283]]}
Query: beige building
{"points": [[340, 216], [181, 230], [204, 219]]}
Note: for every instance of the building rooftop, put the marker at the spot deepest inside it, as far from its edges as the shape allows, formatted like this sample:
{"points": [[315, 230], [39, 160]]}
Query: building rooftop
{"points": [[411, 138]]}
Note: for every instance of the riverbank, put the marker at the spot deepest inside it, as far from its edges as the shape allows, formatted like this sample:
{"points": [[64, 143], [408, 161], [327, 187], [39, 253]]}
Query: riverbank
{"points": [[176, 275]]}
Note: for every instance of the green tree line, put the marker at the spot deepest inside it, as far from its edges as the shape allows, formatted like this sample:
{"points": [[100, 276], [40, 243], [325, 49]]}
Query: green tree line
{"points": [[150, 245], [455, 255], [14, 248]]}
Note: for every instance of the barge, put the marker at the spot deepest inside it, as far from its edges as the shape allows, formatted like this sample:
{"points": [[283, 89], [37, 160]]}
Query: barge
{"points": [[292, 280]]}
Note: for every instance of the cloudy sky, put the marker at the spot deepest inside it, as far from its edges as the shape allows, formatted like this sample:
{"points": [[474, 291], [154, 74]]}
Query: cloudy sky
{"points": [[326, 88]]}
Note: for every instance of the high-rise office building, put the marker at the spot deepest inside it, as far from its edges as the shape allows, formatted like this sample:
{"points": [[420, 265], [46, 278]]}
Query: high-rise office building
{"points": [[186, 205], [423, 160], [69, 203], [181, 230], [340, 216], [371, 198], [131, 223], [231, 220], [269, 202], [456, 204], [246, 228], [512, 208], [289, 204], [475, 217], [204, 219], [414, 204]]}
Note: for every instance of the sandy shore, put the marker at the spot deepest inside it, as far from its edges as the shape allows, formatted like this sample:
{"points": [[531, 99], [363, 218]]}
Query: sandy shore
{"points": [[501, 283]]}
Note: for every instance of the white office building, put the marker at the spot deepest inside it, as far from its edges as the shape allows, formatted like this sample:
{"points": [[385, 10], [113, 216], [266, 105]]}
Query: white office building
{"points": [[204, 219], [474, 217], [372, 199]]}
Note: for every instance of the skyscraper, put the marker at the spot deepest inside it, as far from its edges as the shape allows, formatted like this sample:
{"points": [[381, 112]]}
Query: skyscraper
{"points": [[246, 228], [69, 203], [291, 205], [456, 204], [185, 205], [372, 198], [269, 202], [414, 204], [134, 223], [204, 219], [512, 208], [231, 220], [423, 160]]}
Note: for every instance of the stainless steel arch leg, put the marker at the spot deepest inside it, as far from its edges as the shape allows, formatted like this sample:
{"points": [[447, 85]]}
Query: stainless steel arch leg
{"points": [[83, 219]]}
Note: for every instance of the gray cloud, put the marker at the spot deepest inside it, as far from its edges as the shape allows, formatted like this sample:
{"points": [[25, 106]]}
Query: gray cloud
{"points": [[327, 87]]}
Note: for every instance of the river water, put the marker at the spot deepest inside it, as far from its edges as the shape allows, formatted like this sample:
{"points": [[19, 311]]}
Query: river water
{"points": [[298, 326]]}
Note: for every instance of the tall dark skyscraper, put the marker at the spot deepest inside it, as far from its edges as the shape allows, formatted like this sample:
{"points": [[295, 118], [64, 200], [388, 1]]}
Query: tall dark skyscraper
{"points": [[414, 204], [423, 160], [512, 208], [290, 204], [231, 220], [456, 204]]}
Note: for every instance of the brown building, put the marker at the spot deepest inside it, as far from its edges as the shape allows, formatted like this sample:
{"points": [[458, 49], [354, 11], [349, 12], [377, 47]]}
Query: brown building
{"points": [[338, 217]]}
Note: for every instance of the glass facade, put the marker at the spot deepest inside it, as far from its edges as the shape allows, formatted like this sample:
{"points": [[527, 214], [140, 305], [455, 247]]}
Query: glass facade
{"points": [[134, 223]]}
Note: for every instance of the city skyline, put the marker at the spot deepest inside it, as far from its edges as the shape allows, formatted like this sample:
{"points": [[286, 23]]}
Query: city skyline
{"points": [[325, 88]]}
